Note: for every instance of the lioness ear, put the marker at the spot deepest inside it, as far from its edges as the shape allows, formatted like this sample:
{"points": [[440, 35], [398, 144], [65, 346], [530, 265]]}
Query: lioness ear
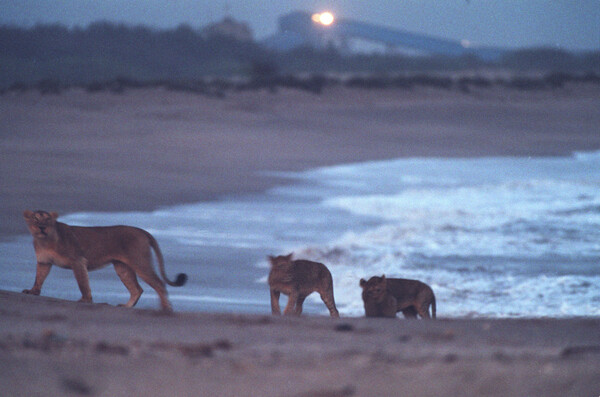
{"points": [[271, 259], [27, 214], [289, 257], [383, 277], [54, 215], [362, 282]]}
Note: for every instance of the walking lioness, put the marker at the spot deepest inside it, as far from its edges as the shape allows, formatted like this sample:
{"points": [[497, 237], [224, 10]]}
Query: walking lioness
{"points": [[298, 279], [82, 249], [384, 297]]}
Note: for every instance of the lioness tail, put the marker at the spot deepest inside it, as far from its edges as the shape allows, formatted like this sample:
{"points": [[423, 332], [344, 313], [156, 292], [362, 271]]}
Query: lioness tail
{"points": [[181, 277]]}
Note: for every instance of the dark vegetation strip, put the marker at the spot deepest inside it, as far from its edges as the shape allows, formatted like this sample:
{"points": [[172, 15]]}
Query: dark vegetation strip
{"points": [[315, 83], [115, 57]]}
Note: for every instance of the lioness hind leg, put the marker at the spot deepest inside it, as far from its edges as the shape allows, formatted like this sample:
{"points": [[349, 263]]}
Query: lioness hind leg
{"points": [[159, 286], [128, 277]]}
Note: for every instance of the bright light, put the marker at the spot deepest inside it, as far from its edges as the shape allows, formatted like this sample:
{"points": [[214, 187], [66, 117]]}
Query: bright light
{"points": [[324, 18]]}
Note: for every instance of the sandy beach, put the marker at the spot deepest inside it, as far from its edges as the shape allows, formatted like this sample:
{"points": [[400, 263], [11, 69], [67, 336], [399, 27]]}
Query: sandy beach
{"points": [[51, 347], [144, 149]]}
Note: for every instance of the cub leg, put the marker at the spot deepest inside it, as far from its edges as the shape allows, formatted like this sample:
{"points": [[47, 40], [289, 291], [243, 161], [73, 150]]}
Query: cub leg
{"points": [[128, 277], [391, 307], [40, 276], [327, 298], [410, 312], [424, 299], [291, 303], [81, 275], [299, 304], [423, 310], [159, 286], [275, 309]]}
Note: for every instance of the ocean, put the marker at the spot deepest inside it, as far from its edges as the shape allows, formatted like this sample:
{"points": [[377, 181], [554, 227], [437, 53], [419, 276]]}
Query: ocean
{"points": [[493, 237]]}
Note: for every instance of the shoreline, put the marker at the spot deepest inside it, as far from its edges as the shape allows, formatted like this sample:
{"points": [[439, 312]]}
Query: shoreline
{"points": [[268, 180], [147, 149], [147, 352]]}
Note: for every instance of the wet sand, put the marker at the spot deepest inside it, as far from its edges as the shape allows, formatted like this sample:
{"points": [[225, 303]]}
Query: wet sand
{"points": [[149, 148]]}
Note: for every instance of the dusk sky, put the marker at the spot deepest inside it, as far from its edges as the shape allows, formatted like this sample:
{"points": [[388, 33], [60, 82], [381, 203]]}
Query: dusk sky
{"points": [[567, 24]]}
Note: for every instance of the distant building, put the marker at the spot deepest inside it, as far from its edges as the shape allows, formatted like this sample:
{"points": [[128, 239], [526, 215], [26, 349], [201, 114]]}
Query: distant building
{"points": [[231, 28], [302, 29]]}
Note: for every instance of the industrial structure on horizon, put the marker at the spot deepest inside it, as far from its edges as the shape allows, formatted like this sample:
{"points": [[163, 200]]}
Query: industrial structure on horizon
{"points": [[322, 30]]}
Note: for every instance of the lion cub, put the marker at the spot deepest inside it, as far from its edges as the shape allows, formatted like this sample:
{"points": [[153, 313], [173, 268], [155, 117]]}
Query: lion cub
{"points": [[298, 279], [82, 249], [384, 297]]}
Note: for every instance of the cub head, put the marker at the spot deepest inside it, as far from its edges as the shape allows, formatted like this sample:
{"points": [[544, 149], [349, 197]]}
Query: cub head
{"points": [[281, 260], [41, 224], [374, 290]]}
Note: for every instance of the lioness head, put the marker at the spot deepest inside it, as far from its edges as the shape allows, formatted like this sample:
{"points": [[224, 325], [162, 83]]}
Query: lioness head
{"points": [[375, 289], [41, 224], [281, 260]]}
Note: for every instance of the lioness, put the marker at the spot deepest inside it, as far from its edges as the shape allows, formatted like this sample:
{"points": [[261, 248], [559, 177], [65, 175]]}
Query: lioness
{"points": [[89, 248], [384, 297], [298, 279]]}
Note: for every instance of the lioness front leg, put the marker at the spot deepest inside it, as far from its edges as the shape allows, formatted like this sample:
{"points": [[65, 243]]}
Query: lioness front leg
{"points": [[128, 277], [81, 275], [40, 276]]}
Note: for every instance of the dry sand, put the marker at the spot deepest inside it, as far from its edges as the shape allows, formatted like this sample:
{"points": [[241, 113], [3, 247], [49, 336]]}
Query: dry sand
{"points": [[145, 149]]}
